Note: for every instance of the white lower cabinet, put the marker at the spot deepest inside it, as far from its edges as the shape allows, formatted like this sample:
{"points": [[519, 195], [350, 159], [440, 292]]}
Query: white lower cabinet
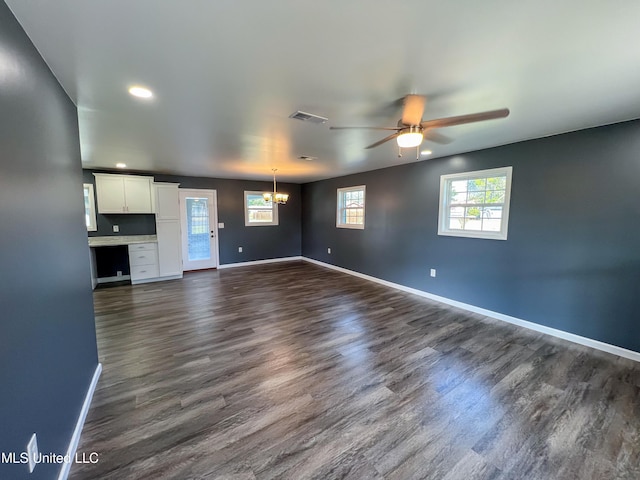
{"points": [[143, 261], [169, 244]]}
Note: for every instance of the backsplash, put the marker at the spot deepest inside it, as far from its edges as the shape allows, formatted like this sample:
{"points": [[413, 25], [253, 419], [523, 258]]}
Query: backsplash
{"points": [[128, 224]]}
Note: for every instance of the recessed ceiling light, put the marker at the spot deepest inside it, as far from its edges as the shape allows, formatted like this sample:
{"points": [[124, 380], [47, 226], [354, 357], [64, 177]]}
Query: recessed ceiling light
{"points": [[140, 92], [121, 165], [426, 152]]}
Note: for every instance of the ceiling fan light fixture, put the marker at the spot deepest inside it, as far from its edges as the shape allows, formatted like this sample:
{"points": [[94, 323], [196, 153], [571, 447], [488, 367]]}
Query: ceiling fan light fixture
{"points": [[412, 137]]}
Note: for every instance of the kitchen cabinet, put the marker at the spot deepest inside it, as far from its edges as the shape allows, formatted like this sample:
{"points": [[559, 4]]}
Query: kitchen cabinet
{"points": [[169, 248], [123, 193], [168, 229], [166, 199], [143, 261]]}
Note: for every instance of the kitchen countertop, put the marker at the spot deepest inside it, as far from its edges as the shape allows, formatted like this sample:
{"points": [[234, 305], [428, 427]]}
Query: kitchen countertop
{"points": [[121, 240]]}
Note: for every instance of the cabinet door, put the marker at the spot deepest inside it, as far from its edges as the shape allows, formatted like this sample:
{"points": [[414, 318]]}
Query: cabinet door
{"points": [[110, 192], [137, 193], [169, 245], [167, 207]]}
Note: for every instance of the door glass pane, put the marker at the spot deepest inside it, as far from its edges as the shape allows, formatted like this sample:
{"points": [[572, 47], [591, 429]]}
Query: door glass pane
{"points": [[199, 245]]}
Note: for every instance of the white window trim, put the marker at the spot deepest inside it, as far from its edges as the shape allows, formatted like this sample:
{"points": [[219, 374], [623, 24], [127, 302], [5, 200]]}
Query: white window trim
{"points": [[247, 223], [444, 204], [340, 191], [93, 224]]}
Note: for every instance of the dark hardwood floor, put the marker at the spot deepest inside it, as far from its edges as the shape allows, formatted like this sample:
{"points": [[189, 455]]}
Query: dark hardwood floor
{"points": [[293, 371]]}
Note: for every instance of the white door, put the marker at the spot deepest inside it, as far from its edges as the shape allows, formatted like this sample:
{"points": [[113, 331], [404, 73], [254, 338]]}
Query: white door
{"points": [[199, 222]]}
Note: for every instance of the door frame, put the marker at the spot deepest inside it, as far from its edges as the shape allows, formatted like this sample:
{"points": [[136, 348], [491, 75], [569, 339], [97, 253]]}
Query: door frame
{"points": [[213, 220]]}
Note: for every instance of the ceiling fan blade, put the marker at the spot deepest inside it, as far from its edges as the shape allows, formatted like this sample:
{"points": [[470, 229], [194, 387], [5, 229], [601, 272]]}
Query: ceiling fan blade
{"points": [[413, 109], [364, 128], [388, 110], [384, 140], [436, 137], [462, 119]]}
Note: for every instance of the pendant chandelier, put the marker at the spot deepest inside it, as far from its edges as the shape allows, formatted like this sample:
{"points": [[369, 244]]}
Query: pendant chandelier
{"points": [[279, 198]]}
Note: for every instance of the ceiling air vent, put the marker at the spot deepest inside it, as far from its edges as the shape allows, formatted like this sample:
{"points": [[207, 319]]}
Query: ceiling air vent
{"points": [[308, 117]]}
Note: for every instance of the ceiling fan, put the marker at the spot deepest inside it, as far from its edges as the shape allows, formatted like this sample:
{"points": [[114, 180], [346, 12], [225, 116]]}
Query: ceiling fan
{"points": [[412, 130]]}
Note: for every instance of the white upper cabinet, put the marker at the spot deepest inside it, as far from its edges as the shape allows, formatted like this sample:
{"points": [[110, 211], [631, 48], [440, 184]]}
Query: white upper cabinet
{"points": [[137, 194], [110, 189], [167, 207], [123, 193]]}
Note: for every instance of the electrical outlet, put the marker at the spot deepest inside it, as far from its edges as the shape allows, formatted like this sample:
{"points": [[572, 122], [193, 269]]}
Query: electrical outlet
{"points": [[432, 272], [119, 273], [116, 229], [221, 225], [240, 249], [329, 251], [32, 452]]}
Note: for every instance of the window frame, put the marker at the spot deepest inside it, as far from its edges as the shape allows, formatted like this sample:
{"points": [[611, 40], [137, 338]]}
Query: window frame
{"points": [[93, 222], [339, 208], [443, 208], [274, 206]]}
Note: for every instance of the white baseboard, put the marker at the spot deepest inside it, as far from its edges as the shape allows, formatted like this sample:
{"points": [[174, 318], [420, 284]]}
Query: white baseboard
{"points": [[75, 438], [156, 279], [572, 337], [121, 278], [259, 262]]}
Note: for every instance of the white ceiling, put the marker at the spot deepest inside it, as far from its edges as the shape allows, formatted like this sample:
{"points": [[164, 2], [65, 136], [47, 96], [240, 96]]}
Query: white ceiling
{"points": [[227, 74]]}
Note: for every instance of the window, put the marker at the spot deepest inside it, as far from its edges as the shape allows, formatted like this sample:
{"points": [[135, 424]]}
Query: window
{"points": [[475, 204], [257, 211], [350, 213], [89, 207]]}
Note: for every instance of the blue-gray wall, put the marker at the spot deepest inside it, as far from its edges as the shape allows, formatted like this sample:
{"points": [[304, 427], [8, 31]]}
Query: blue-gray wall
{"points": [[572, 258], [258, 243], [47, 332]]}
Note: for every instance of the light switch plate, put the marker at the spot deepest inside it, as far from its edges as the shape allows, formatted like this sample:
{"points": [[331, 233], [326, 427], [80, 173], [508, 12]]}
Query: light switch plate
{"points": [[116, 229], [240, 249], [221, 225], [432, 272]]}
